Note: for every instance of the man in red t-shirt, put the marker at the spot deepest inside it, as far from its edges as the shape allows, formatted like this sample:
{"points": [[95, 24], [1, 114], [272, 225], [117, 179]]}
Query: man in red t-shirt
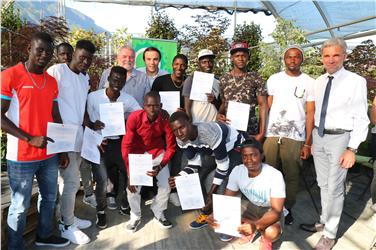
{"points": [[148, 132], [28, 103]]}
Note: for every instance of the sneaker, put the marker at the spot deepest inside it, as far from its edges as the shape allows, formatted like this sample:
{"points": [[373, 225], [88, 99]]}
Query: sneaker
{"points": [[125, 210], [132, 225], [90, 200], [201, 221], [111, 203], [174, 199], [325, 243], [245, 239], [265, 244], [101, 220], [80, 223], [52, 241], [225, 237], [74, 234], [288, 218], [163, 222]]}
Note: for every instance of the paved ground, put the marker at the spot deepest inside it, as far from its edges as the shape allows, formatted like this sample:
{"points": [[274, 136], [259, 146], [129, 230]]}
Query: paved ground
{"points": [[357, 228]]}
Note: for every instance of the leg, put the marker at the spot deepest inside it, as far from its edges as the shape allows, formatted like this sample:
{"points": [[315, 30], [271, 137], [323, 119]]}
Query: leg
{"points": [[69, 185], [135, 203], [112, 170], [271, 151], [47, 182], [86, 177], [100, 177], [20, 181], [373, 184], [291, 162]]}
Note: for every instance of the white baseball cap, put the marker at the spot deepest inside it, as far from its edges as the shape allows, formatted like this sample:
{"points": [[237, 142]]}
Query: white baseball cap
{"points": [[205, 52]]}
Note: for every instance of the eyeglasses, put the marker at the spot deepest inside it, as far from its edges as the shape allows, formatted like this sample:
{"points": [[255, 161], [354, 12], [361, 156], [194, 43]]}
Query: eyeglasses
{"points": [[297, 95]]}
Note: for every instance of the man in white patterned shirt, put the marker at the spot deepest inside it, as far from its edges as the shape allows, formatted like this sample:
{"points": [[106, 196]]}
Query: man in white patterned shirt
{"points": [[341, 124]]}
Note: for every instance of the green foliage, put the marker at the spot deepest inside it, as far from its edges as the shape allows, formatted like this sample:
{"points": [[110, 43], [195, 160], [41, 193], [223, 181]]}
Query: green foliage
{"points": [[250, 33], [10, 17], [362, 59], [284, 35], [120, 38], [161, 27], [206, 33], [77, 34]]}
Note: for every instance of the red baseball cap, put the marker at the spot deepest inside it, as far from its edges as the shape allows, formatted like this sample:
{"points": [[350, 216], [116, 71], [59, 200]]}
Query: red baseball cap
{"points": [[239, 46]]}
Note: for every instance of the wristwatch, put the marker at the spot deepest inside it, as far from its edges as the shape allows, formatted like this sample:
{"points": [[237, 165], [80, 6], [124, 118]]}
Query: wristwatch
{"points": [[354, 150]]}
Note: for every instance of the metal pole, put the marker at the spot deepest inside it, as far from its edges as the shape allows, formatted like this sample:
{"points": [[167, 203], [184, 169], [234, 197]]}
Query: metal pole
{"points": [[235, 8]]}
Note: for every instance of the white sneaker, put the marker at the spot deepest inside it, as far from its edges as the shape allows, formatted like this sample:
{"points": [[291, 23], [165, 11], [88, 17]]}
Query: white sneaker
{"points": [[174, 199], [74, 235], [81, 223], [90, 200], [111, 203]]}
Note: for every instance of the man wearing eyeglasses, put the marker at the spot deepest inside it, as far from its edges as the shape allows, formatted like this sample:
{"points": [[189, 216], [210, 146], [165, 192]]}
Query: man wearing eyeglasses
{"points": [[290, 124]]}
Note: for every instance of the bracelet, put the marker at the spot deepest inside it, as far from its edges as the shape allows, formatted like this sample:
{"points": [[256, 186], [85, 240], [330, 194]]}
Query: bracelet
{"points": [[307, 146]]}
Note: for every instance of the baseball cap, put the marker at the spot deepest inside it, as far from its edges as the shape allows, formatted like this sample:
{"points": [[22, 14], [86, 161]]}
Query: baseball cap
{"points": [[239, 46], [205, 52]]}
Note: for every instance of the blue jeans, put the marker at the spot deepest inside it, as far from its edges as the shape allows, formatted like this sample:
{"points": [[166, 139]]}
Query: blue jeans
{"points": [[21, 175]]}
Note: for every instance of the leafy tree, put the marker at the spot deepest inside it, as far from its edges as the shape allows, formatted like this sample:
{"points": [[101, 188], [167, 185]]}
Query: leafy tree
{"points": [[10, 17], [206, 33], [161, 27], [284, 35], [250, 33], [120, 38]]}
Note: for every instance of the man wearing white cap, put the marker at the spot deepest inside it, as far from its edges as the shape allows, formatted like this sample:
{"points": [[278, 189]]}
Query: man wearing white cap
{"points": [[200, 111], [290, 123], [245, 87]]}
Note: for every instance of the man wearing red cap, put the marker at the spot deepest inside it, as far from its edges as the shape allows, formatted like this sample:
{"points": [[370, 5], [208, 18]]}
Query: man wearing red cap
{"points": [[244, 87]]}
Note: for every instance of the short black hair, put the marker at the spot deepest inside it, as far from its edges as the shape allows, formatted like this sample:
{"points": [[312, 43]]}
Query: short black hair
{"points": [[152, 49], [43, 36], [86, 45], [64, 44], [181, 56], [252, 143], [179, 115], [153, 94], [119, 70]]}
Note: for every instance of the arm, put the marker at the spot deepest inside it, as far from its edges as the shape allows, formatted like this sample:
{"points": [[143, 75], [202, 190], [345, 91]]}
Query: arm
{"points": [[373, 111], [306, 149], [63, 157], [130, 136], [272, 216], [170, 144], [263, 112], [188, 106], [270, 101]]}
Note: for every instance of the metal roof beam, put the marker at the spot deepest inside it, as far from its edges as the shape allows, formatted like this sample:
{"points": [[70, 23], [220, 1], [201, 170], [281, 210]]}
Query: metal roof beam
{"points": [[317, 5], [271, 8]]}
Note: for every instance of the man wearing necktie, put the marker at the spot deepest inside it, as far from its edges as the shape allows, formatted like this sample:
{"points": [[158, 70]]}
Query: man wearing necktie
{"points": [[341, 124]]}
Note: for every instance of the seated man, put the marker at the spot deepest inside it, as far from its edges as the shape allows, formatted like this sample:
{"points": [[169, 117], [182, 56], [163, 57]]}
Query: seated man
{"points": [[198, 142], [148, 132], [264, 188]]}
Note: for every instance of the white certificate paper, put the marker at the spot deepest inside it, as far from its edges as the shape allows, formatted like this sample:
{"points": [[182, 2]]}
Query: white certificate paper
{"points": [[89, 149], [139, 164], [238, 114], [64, 136], [227, 213], [170, 100], [112, 115], [202, 84], [189, 191]]}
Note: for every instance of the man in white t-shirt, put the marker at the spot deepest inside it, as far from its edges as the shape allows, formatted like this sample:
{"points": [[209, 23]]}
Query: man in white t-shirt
{"points": [[73, 88], [201, 111], [290, 123], [264, 188], [113, 164]]}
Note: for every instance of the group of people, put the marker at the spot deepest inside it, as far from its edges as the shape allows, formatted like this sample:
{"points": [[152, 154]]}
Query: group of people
{"points": [[291, 116]]}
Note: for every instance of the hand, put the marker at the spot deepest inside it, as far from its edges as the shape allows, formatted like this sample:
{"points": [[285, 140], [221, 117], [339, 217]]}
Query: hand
{"points": [[211, 97], [102, 146], [171, 181], [305, 152], [347, 159], [63, 160], [258, 137], [222, 118], [211, 222], [131, 188], [98, 125], [247, 227], [180, 110], [39, 141], [155, 171]]}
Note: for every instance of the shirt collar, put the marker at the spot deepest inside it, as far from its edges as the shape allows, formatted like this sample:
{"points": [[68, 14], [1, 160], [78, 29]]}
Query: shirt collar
{"points": [[144, 118], [337, 73]]}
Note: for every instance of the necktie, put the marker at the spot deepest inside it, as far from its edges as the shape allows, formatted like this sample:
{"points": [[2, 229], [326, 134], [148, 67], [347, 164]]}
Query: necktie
{"points": [[324, 107]]}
